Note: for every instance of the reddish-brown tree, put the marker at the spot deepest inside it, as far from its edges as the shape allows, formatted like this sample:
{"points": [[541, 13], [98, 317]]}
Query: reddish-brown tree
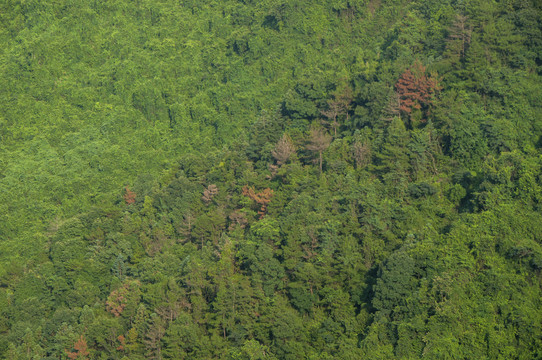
{"points": [[415, 89], [81, 349], [263, 198], [129, 196], [122, 341], [118, 299]]}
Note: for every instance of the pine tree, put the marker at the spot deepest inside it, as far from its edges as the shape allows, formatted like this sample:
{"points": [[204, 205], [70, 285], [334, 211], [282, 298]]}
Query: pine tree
{"points": [[362, 153], [392, 160], [262, 198], [81, 350], [338, 106], [129, 196], [318, 142], [416, 91], [459, 39], [209, 194], [284, 150]]}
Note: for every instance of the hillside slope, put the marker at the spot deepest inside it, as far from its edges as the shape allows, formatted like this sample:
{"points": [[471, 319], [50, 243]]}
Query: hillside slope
{"points": [[280, 179]]}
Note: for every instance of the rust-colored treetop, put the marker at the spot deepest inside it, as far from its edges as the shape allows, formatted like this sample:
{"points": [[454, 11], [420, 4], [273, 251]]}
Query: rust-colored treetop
{"points": [[263, 198], [81, 349], [129, 196], [415, 88]]}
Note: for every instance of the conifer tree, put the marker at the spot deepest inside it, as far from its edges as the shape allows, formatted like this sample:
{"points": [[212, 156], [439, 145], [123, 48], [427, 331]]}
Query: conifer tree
{"points": [[262, 198], [81, 350], [318, 142], [416, 91], [284, 150]]}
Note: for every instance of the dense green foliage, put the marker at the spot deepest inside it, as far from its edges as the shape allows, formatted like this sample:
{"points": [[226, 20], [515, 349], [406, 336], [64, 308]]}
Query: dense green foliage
{"points": [[278, 179]]}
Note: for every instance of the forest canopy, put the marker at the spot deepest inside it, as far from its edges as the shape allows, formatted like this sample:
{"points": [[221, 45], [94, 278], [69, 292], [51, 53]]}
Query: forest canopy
{"points": [[279, 179]]}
